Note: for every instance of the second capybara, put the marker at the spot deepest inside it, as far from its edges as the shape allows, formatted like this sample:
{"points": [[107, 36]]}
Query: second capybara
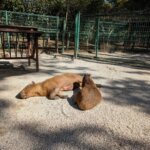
{"points": [[89, 96]]}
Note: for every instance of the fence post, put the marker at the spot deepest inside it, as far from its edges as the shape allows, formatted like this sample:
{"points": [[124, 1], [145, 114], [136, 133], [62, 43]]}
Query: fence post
{"points": [[97, 37], [63, 35], [57, 35], [77, 34], [6, 17], [8, 35]]}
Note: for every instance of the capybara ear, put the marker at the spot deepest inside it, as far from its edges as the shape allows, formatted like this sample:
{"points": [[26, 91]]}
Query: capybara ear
{"points": [[86, 79], [33, 82], [88, 74]]}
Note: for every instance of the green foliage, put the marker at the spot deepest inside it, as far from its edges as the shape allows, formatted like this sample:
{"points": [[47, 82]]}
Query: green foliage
{"points": [[61, 7], [95, 6], [138, 4]]}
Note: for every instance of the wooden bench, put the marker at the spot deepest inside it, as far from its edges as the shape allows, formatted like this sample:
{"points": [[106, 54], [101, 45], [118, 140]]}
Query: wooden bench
{"points": [[19, 42]]}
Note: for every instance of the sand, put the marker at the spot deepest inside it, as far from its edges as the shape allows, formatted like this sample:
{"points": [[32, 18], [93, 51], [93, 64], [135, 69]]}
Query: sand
{"points": [[121, 121]]}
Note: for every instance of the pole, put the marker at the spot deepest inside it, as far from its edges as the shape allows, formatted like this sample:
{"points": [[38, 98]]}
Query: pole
{"points": [[63, 35], [8, 35], [97, 37], [77, 34]]}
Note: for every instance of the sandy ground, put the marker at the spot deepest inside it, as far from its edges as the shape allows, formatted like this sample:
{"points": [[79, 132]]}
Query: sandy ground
{"points": [[121, 121]]}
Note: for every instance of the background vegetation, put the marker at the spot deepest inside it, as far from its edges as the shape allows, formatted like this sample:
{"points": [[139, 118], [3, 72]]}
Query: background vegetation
{"points": [[65, 7]]}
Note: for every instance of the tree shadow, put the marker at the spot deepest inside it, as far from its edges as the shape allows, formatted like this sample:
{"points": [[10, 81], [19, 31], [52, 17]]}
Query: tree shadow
{"points": [[80, 137], [130, 62], [5, 116], [5, 106], [8, 69], [129, 92], [121, 92], [139, 72], [48, 66]]}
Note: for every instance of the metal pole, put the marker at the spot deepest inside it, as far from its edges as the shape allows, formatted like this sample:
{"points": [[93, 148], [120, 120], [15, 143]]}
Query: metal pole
{"points": [[97, 37], [8, 35], [57, 35], [77, 36], [6, 16], [63, 35]]}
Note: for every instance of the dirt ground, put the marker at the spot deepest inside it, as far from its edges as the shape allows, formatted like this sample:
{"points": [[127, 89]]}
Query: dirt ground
{"points": [[121, 121]]}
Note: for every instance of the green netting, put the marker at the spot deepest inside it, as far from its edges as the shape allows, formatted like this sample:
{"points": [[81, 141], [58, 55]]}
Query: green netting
{"points": [[42, 22], [87, 29], [130, 31], [92, 32], [49, 25]]}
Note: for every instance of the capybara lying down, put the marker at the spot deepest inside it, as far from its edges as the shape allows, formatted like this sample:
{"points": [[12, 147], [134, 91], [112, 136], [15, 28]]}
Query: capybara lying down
{"points": [[89, 96], [51, 88]]}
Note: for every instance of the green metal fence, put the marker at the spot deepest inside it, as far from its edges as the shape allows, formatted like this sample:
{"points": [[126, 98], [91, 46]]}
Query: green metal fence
{"points": [[88, 34], [126, 32], [50, 25]]}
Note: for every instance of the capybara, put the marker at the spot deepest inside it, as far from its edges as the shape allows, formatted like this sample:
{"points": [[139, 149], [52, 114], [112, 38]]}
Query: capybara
{"points": [[89, 96], [51, 88]]}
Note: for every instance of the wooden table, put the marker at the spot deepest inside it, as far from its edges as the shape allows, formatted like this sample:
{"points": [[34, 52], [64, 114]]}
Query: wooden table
{"points": [[19, 42]]}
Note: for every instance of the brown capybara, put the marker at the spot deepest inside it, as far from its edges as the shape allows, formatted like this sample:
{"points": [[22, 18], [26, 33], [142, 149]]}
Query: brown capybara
{"points": [[52, 87], [89, 96]]}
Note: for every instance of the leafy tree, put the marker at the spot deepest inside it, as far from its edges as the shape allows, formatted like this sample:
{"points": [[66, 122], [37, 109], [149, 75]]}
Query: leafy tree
{"points": [[95, 6], [70, 7], [138, 4]]}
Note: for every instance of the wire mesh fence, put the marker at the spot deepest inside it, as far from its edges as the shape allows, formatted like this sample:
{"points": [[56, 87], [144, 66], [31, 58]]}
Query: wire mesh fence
{"points": [[116, 32], [49, 25], [42, 22], [87, 33]]}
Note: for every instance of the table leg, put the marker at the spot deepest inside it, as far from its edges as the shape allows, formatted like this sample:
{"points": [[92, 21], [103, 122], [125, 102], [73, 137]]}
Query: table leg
{"points": [[36, 53]]}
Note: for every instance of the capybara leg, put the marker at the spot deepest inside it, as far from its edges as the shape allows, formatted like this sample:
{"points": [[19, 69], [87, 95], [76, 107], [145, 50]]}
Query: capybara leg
{"points": [[62, 96], [53, 94], [67, 88], [52, 97]]}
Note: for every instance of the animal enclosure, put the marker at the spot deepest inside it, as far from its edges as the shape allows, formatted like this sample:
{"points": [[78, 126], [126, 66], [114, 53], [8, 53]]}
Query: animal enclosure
{"points": [[87, 35], [110, 33]]}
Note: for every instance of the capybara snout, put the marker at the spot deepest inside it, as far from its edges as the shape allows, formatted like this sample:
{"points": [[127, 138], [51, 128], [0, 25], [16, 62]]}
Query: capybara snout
{"points": [[18, 96], [26, 92], [21, 95]]}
